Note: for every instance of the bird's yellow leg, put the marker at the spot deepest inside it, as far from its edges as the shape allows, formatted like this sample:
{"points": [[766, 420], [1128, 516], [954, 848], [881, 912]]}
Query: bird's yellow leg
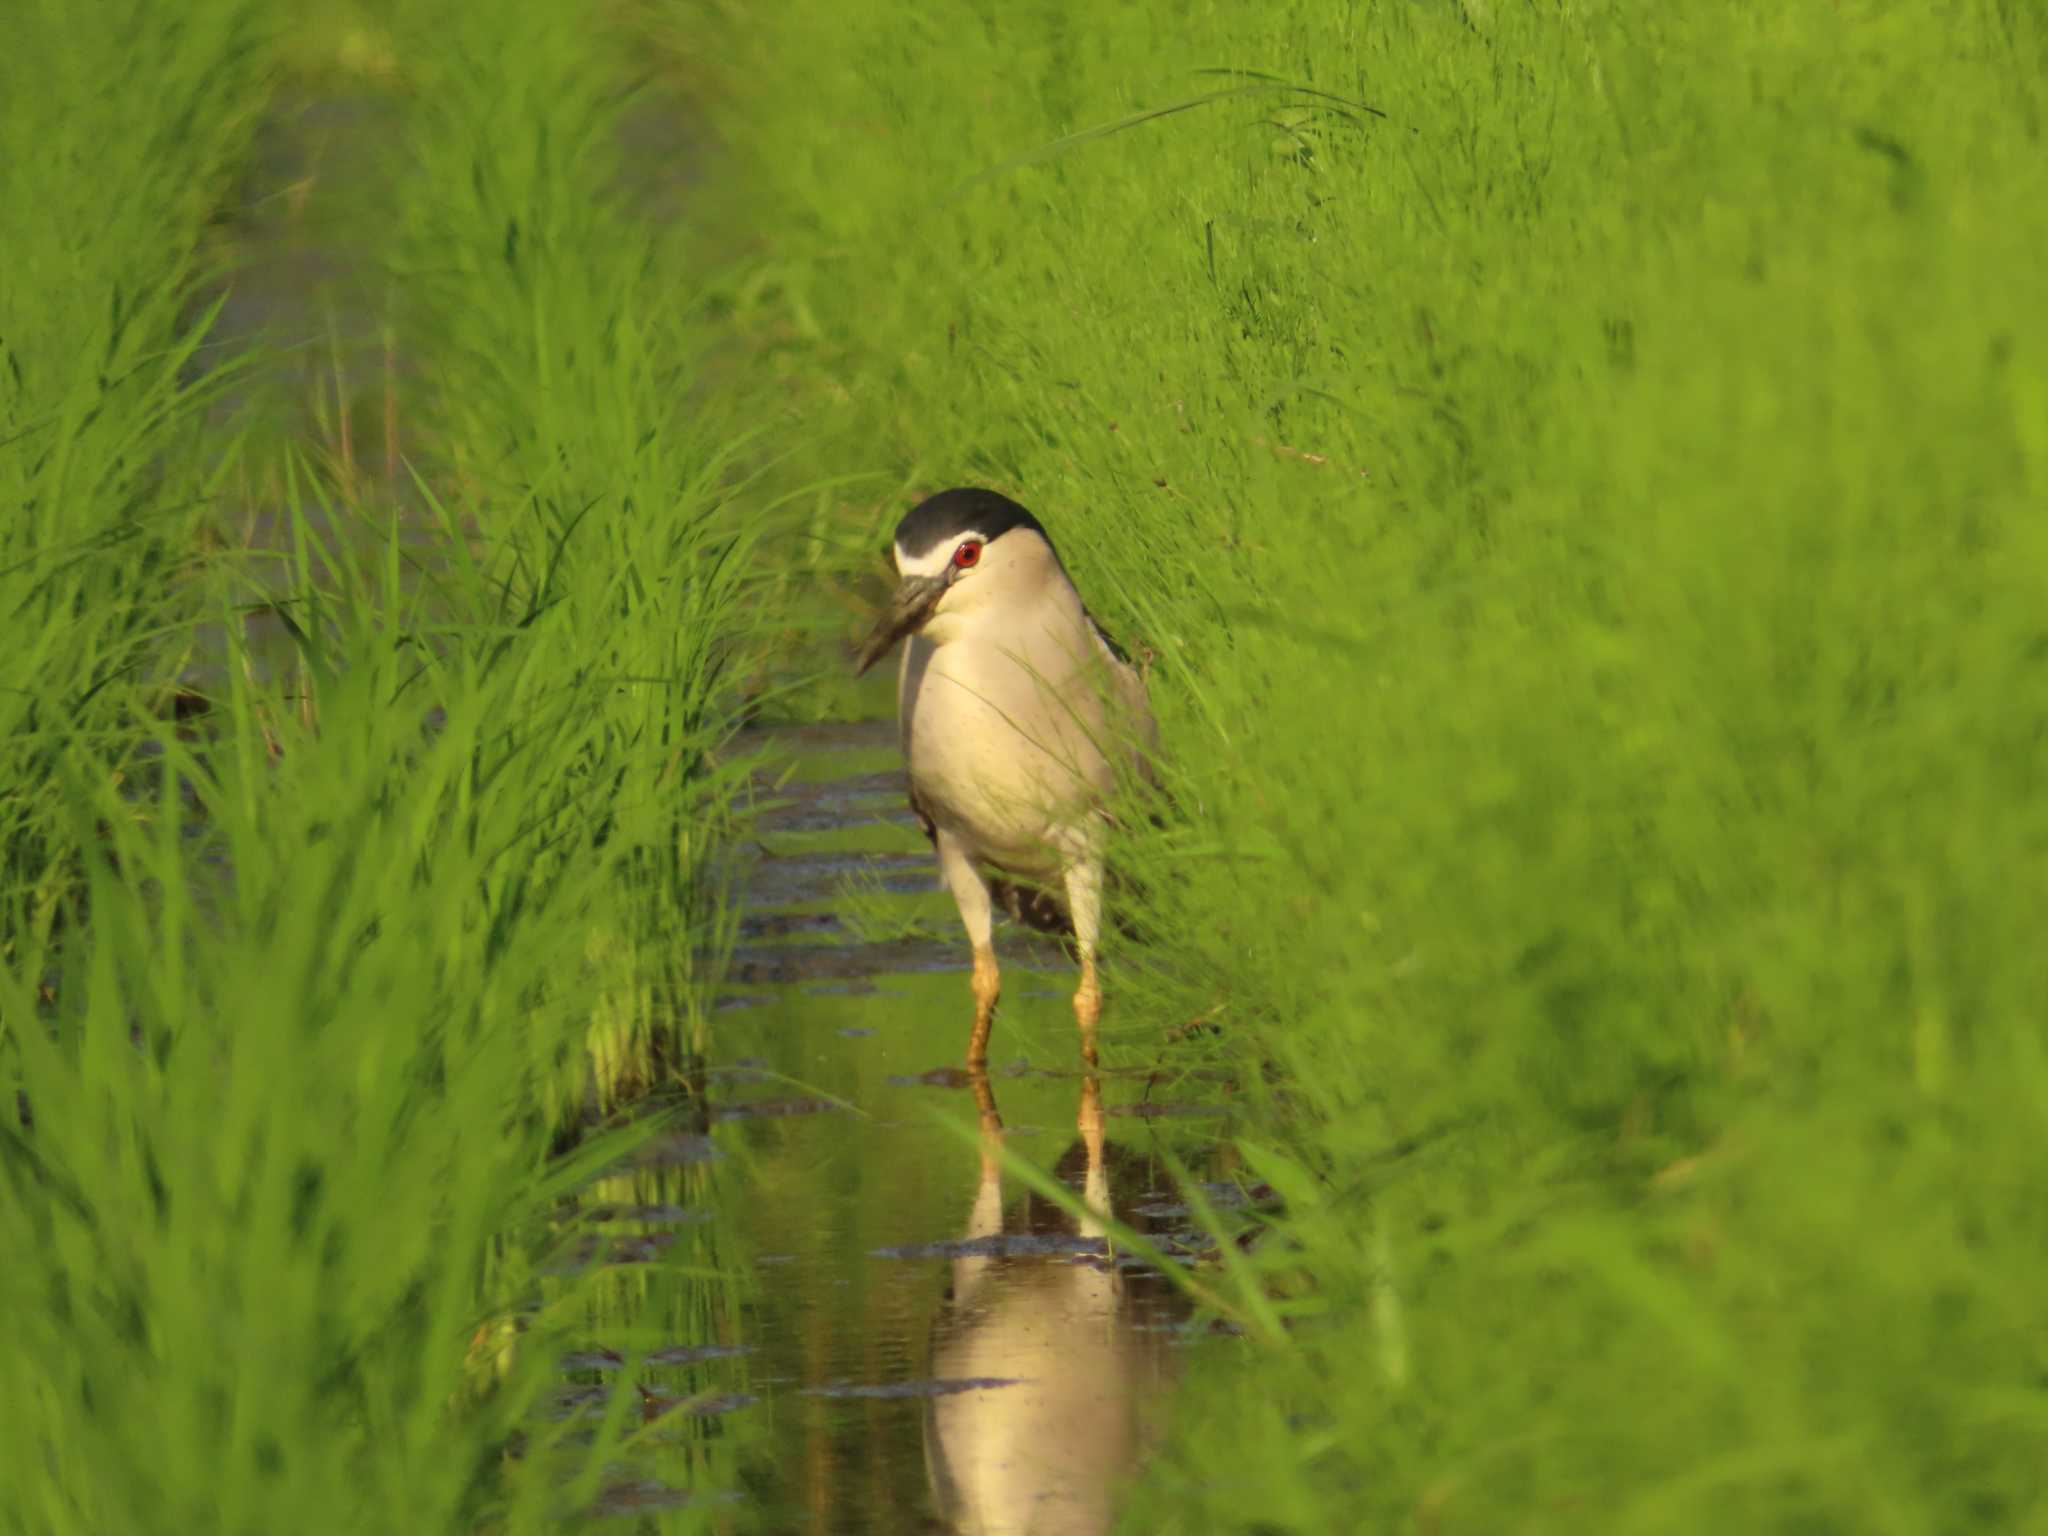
{"points": [[1084, 904], [987, 982], [977, 916], [1087, 1006]]}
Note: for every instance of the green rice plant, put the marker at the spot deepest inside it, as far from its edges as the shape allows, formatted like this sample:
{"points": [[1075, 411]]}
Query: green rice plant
{"points": [[1578, 470], [119, 138], [562, 413], [297, 1010], [284, 1161], [874, 914]]}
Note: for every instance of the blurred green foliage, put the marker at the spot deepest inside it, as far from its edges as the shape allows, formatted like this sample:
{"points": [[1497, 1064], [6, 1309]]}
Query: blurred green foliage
{"points": [[1580, 471], [298, 993]]}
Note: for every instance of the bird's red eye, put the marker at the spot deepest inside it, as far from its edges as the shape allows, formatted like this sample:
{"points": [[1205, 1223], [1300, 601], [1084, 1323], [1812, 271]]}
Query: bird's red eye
{"points": [[967, 554]]}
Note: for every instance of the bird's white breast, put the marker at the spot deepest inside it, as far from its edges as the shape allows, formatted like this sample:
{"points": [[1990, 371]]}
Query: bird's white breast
{"points": [[1006, 730]]}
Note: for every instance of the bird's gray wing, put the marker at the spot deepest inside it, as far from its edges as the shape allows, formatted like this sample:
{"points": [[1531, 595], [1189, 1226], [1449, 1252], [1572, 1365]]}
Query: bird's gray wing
{"points": [[1108, 640], [1136, 700]]}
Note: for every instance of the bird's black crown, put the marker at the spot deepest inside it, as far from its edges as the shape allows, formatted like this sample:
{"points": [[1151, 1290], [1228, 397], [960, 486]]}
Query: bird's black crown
{"points": [[951, 514]]}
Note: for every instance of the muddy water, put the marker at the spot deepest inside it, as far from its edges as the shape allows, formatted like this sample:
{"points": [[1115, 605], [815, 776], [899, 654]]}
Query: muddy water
{"points": [[902, 1337]]}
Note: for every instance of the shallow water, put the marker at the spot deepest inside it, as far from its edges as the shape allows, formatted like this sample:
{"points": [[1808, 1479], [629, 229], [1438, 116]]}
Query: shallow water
{"points": [[908, 1338]]}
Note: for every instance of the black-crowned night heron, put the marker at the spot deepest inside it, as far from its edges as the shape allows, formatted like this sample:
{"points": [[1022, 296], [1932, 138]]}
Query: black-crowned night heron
{"points": [[1016, 712]]}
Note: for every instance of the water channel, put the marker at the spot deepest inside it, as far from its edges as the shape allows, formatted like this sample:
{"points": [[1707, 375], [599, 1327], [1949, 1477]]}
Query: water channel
{"points": [[908, 1338]]}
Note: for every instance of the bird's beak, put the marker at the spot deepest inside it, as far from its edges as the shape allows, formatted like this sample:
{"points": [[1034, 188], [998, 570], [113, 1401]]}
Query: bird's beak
{"points": [[908, 609]]}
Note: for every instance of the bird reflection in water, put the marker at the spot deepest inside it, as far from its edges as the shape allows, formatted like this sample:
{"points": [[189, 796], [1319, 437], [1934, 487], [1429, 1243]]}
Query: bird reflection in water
{"points": [[1086, 1346]]}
